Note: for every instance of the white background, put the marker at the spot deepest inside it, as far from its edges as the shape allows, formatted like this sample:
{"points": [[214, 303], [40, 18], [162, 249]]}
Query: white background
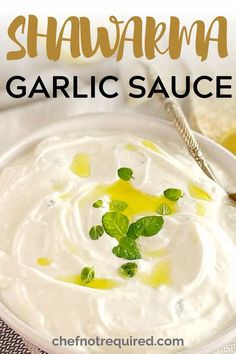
{"points": [[105, 7]]}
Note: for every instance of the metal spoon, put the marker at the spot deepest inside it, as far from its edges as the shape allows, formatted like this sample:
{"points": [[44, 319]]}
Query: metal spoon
{"points": [[179, 120], [175, 112]]}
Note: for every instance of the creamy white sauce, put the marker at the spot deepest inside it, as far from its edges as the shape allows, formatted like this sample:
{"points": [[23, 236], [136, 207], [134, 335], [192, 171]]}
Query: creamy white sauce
{"points": [[38, 221]]}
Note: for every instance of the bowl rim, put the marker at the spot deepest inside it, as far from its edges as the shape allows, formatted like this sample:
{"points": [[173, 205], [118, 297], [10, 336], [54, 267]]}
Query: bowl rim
{"points": [[25, 330]]}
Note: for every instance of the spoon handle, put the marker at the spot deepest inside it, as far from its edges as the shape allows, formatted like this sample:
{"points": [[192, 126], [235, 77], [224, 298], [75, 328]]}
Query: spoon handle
{"points": [[178, 118]]}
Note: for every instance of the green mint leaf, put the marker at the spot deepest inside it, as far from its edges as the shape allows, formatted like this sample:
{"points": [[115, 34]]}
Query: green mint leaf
{"points": [[135, 230], [87, 275], [128, 270], [127, 249], [115, 224], [125, 173], [164, 209], [150, 225], [98, 204], [118, 205], [173, 194], [96, 232]]}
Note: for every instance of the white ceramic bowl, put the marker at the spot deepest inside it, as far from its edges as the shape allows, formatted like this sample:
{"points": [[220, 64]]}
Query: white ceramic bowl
{"points": [[151, 128]]}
